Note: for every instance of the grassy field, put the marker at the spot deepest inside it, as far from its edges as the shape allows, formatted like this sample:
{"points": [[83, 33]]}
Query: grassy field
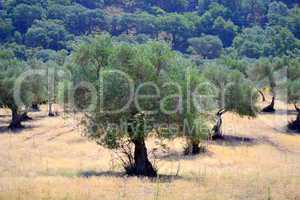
{"points": [[50, 159]]}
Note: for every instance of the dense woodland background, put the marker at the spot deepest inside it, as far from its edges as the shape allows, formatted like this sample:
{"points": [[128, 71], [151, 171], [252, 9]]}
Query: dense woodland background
{"points": [[199, 28]]}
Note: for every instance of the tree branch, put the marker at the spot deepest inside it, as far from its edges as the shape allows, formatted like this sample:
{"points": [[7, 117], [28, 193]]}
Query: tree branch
{"points": [[297, 108], [262, 94], [221, 111]]}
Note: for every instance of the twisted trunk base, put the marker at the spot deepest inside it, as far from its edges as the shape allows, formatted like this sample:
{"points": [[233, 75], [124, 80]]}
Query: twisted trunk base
{"points": [[15, 120], [295, 125], [270, 108], [142, 166], [51, 114], [217, 132], [193, 149], [35, 107], [25, 117], [217, 137]]}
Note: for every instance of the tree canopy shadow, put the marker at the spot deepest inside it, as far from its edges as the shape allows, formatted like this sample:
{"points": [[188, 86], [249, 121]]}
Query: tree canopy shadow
{"points": [[177, 155], [6, 130], [163, 178], [89, 174], [292, 132], [160, 178], [275, 144], [39, 117], [234, 140], [280, 112], [285, 130]]}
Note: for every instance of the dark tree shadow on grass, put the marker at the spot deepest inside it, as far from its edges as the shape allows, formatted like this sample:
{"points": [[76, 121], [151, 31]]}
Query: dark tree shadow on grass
{"points": [[291, 132], [179, 155], [280, 112], [160, 178], [285, 130], [232, 140], [42, 116], [6, 130], [275, 145], [89, 174]]}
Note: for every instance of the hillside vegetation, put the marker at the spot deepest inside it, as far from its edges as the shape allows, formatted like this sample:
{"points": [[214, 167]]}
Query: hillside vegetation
{"points": [[149, 99], [250, 28]]}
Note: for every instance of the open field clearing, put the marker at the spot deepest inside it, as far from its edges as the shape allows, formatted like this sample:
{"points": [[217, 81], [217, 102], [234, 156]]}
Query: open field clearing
{"points": [[52, 160]]}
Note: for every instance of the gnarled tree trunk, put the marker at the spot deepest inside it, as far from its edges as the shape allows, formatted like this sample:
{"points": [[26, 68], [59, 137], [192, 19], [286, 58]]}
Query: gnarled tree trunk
{"points": [[25, 117], [50, 112], [217, 132], [295, 125], [35, 107], [142, 165], [51, 91], [192, 149], [15, 120], [195, 148], [270, 108]]}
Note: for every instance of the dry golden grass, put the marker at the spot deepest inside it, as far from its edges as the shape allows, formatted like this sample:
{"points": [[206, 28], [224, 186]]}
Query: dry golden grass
{"points": [[49, 161]]}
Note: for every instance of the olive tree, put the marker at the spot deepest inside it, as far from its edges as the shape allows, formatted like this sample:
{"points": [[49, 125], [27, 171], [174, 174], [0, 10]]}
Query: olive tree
{"points": [[233, 92], [17, 86], [140, 90], [55, 75], [264, 74], [36, 85], [10, 69], [293, 89]]}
